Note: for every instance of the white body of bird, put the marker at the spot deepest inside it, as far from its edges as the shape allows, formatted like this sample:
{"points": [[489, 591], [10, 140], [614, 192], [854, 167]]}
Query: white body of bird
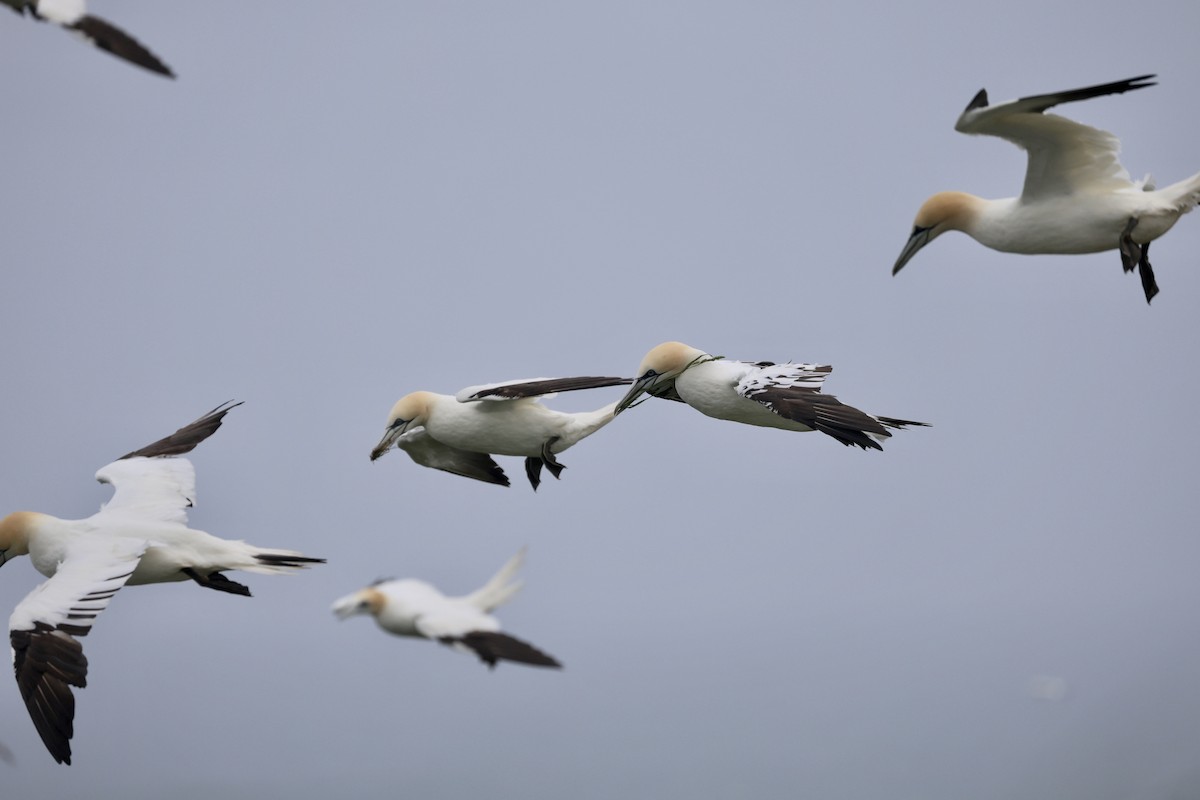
{"points": [[139, 536], [1077, 197], [414, 608], [766, 394], [460, 433]]}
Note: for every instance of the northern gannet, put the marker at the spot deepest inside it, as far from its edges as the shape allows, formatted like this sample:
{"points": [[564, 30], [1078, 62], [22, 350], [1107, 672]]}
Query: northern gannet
{"points": [[415, 608], [1077, 197], [460, 433], [139, 536], [760, 393], [72, 15]]}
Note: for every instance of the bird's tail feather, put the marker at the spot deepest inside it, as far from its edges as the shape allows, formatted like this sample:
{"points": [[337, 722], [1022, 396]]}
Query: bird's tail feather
{"points": [[501, 587], [1184, 195]]}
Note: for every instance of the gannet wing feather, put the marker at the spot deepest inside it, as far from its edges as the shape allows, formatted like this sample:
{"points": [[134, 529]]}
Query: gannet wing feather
{"points": [[429, 452], [153, 481], [793, 391], [47, 657], [535, 387], [1065, 156]]}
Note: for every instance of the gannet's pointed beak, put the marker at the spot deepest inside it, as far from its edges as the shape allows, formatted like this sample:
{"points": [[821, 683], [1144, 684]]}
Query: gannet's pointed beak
{"points": [[919, 238], [390, 437], [635, 391], [349, 605]]}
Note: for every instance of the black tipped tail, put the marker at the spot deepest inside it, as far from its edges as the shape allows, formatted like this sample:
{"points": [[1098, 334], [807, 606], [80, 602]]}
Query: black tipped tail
{"points": [[900, 424], [292, 560], [492, 647]]}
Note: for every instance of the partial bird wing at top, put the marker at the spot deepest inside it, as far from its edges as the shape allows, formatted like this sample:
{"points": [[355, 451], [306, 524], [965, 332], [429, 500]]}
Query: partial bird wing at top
{"points": [[535, 387], [1064, 156], [112, 39], [153, 481], [429, 452], [47, 658], [186, 438]]}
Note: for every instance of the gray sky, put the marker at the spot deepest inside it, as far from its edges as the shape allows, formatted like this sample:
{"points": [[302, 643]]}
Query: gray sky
{"points": [[335, 205]]}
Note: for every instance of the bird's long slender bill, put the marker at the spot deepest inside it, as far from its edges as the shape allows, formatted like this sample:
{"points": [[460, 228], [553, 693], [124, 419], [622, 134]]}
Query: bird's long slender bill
{"points": [[390, 437], [919, 238], [635, 391]]}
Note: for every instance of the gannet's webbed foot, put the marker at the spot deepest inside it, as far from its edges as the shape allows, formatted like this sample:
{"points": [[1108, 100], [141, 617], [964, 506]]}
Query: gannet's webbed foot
{"points": [[549, 460], [533, 471], [1146, 273], [215, 580], [1131, 253]]}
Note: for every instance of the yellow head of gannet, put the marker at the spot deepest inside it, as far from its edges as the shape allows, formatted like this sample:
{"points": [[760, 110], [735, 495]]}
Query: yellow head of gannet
{"points": [[410, 411], [945, 211], [14, 534], [662, 365]]}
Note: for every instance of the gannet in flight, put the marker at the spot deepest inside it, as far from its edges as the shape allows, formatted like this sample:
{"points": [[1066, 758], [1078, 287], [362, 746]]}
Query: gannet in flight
{"points": [[139, 536], [72, 15], [460, 433], [760, 393], [1077, 197], [415, 608]]}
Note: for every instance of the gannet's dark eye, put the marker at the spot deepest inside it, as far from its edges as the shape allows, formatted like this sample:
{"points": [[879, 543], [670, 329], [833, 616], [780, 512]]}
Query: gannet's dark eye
{"points": [[398, 423], [648, 374]]}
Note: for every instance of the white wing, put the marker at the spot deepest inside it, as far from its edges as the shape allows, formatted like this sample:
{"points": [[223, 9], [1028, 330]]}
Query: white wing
{"points": [[47, 658], [763, 377], [1064, 156], [159, 488]]}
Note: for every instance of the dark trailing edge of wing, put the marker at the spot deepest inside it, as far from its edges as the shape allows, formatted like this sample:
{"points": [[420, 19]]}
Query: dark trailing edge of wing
{"points": [[536, 388], [112, 39], [827, 414], [186, 438], [492, 647], [47, 664]]}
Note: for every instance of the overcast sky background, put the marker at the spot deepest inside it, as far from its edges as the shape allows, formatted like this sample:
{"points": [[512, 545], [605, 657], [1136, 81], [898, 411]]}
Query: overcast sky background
{"points": [[335, 205]]}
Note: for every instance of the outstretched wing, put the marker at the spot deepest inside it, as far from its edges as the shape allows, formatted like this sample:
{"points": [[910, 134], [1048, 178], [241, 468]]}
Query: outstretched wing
{"points": [[47, 657], [112, 39], [1064, 156], [470, 631], [153, 481], [793, 391], [429, 452], [535, 387]]}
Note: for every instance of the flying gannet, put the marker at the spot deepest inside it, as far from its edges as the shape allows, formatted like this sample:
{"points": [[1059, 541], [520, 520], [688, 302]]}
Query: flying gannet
{"points": [[460, 433], [760, 393], [1077, 197], [415, 608], [139, 536], [72, 15]]}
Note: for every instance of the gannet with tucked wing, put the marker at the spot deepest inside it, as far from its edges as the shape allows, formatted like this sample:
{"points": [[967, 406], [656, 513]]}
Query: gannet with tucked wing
{"points": [[460, 433], [139, 536], [72, 15], [760, 393], [1077, 197], [415, 608]]}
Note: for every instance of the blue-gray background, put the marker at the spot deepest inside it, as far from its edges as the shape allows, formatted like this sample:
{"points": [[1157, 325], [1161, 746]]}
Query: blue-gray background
{"points": [[337, 204]]}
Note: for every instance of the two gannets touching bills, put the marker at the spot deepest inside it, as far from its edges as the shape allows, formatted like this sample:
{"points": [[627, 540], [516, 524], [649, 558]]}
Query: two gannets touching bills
{"points": [[72, 15], [139, 536], [1077, 197], [415, 608]]}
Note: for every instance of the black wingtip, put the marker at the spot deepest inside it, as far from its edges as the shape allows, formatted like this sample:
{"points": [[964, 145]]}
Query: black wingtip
{"points": [[186, 438], [980, 100]]}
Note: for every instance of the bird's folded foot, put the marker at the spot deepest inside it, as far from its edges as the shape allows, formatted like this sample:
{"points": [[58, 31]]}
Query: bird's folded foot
{"points": [[1146, 273], [533, 471], [549, 460], [1131, 253], [215, 580]]}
